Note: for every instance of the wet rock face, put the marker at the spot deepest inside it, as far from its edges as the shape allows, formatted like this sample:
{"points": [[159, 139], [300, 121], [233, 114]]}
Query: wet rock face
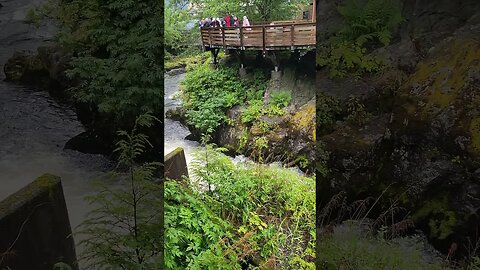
{"points": [[427, 148], [290, 138]]}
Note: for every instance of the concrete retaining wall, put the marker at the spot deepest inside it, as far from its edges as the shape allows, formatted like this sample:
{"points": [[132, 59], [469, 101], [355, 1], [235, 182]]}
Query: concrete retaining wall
{"points": [[176, 164], [35, 231]]}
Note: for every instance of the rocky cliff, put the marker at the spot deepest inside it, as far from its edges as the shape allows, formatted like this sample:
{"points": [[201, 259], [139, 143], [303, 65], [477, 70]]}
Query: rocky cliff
{"points": [[420, 138]]}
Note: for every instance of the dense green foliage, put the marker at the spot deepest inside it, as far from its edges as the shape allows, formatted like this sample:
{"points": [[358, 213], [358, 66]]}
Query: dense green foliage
{"points": [[208, 93], [356, 112], [281, 98], [231, 215], [366, 23], [370, 20], [256, 10], [327, 108], [180, 37], [123, 232], [118, 54]]}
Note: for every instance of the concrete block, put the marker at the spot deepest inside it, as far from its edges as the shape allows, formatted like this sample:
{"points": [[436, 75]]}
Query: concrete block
{"points": [[176, 164], [35, 230]]}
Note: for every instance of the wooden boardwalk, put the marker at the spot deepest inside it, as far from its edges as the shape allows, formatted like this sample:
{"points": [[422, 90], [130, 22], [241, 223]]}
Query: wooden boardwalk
{"points": [[280, 35]]}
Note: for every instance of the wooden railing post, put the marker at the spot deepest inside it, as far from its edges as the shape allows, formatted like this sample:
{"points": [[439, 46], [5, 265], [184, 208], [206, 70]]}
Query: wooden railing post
{"points": [[241, 37], [210, 36], [264, 37], [223, 38], [292, 35]]}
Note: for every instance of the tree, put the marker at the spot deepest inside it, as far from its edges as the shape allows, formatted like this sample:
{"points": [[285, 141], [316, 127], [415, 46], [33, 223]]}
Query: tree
{"points": [[124, 231], [118, 49], [255, 10], [177, 17]]}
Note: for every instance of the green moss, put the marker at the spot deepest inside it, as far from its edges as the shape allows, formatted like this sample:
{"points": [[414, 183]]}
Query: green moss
{"points": [[48, 182], [304, 119], [441, 219], [442, 79], [187, 61], [24, 195]]}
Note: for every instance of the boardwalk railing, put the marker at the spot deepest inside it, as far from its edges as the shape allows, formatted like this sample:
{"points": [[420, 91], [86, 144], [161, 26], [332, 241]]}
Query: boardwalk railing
{"points": [[274, 36]]}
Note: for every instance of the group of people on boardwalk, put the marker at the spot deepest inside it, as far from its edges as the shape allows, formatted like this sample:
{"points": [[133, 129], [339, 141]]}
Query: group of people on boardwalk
{"points": [[228, 21]]}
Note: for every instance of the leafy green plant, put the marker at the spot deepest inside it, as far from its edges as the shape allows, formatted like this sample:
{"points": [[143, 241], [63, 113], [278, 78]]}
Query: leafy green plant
{"points": [[281, 98], [207, 94], [252, 112], [474, 264], [260, 144], [193, 233], [264, 126], [123, 232], [327, 108], [273, 210], [273, 110], [345, 57], [302, 161], [365, 22], [243, 140], [370, 20], [356, 112]]}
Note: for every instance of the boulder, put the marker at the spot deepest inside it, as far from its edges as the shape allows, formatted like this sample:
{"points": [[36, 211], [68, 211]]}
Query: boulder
{"points": [[44, 70]]}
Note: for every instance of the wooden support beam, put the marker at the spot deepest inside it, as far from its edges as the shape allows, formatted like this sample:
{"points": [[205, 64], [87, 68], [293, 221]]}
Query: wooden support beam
{"points": [[263, 32], [314, 11], [292, 36], [223, 38], [241, 38]]}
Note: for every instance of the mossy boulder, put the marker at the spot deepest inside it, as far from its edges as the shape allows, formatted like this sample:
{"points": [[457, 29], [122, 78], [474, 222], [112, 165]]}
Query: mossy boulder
{"points": [[44, 69], [273, 138], [444, 95], [436, 145]]}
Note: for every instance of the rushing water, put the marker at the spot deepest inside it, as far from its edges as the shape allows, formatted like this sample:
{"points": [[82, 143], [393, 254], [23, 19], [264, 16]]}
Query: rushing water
{"points": [[175, 132], [34, 127]]}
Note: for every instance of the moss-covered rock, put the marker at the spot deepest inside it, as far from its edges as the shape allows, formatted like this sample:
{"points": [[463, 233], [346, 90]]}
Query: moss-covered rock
{"points": [[273, 138], [429, 149]]}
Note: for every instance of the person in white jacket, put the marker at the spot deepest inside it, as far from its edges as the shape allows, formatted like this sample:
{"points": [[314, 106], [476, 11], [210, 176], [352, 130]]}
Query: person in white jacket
{"points": [[245, 21]]}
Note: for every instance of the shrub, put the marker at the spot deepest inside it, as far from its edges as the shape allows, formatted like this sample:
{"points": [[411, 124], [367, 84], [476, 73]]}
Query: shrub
{"points": [[208, 93], [370, 20], [252, 112], [356, 112], [365, 21], [271, 212], [124, 231], [281, 98], [326, 110]]}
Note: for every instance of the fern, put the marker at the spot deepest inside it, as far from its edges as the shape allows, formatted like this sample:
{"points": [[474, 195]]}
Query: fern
{"points": [[365, 22]]}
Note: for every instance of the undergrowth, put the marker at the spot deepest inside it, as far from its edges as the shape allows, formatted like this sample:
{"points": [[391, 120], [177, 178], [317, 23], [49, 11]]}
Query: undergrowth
{"points": [[250, 216], [368, 24], [208, 93]]}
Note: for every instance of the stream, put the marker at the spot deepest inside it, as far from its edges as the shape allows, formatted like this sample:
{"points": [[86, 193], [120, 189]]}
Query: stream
{"points": [[175, 132], [34, 127]]}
